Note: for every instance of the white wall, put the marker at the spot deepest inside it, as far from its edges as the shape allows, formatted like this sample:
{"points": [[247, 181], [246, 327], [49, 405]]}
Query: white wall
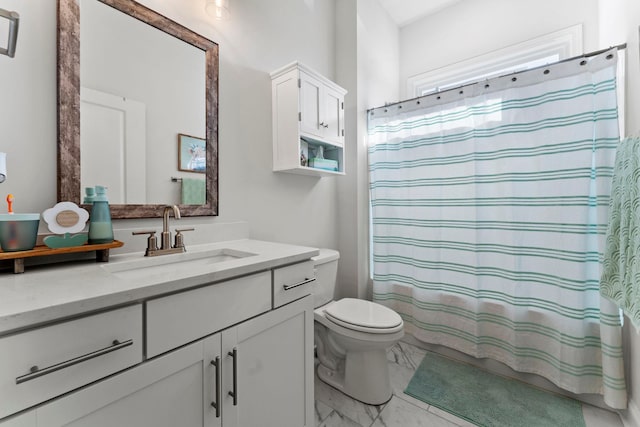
{"points": [[346, 204], [378, 74], [471, 28], [28, 108], [367, 66], [260, 37]]}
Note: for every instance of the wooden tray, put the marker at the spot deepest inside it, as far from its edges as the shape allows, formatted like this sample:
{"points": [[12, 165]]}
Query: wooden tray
{"points": [[102, 253]]}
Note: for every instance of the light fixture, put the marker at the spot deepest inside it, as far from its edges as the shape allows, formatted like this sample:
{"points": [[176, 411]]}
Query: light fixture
{"points": [[219, 9]]}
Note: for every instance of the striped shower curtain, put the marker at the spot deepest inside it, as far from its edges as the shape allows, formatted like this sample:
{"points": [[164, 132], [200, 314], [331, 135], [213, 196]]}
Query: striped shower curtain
{"points": [[489, 212]]}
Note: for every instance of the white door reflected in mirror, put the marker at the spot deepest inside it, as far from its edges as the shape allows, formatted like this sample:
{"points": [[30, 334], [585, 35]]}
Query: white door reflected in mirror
{"points": [[113, 145]]}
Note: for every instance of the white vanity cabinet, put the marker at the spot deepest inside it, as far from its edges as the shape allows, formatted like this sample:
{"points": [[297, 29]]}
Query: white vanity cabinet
{"points": [[255, 374], [226, 354], [308, 113]]}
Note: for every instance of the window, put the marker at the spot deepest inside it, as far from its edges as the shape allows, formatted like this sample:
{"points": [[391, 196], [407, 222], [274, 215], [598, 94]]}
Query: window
{"points": [[530, 54]]}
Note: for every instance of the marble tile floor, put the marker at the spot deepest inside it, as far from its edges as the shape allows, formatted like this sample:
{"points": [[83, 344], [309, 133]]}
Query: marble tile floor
{"points": [[334, 409]]}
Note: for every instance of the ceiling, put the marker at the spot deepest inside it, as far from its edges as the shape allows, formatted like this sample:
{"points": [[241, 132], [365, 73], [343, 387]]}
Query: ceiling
{"points": [[404, 12]]}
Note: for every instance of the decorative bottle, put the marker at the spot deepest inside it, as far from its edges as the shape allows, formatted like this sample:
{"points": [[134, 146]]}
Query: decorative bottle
{"points": [[100, 228]]}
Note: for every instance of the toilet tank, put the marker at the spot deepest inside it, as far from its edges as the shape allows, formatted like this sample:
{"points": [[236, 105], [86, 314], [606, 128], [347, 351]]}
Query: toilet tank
{"points": [[326, 266]]}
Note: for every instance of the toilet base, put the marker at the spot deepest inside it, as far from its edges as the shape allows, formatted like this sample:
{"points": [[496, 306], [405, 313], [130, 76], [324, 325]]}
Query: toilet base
{"points": [[366, 379]]}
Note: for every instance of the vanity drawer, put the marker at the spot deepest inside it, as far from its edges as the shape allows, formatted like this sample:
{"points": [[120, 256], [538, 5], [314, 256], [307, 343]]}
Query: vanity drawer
{"points": [[178, 319], [67, 355], [292, 282]]}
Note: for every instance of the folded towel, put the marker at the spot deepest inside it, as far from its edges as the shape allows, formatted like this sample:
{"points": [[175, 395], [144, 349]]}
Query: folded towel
{"points": [[620, 280], [193, 191]]}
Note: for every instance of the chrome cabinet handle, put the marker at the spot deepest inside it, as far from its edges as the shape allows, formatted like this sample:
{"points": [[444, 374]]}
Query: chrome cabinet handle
{"points": [[36, 372], [234, 393], [324, 125], [216, 404], [304, 282]]}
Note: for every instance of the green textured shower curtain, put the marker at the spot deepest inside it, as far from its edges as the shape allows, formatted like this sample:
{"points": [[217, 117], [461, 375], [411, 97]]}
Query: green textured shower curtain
{"points": [[489, 211]]}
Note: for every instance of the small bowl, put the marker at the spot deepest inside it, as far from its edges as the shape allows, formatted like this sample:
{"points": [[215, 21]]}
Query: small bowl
{"points": [[18, 232]]}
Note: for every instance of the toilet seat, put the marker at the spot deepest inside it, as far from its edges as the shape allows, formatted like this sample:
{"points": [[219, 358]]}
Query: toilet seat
{"points": [[364, 316]]}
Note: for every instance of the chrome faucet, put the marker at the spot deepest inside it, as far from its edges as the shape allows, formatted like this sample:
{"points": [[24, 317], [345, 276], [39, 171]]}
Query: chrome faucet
{"points": [[165, 242]]}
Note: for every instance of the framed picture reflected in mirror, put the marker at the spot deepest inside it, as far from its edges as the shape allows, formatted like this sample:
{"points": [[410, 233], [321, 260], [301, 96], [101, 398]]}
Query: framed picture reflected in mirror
{"points": [[191, 154]]}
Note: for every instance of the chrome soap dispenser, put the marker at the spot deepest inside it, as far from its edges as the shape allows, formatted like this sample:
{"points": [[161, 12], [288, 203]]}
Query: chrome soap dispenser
{"points": [[100, 228]]}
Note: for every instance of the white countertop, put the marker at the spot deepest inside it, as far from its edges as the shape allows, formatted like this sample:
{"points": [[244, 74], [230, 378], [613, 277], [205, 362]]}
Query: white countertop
{"points": [[47, 293]]}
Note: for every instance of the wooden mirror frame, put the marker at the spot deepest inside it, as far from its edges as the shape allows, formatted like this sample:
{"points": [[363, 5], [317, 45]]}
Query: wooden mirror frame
{"points": [[68, 68]]}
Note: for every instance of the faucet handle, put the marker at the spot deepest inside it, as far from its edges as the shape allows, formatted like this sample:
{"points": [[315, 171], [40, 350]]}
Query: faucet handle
{"points": [[179, 242], [152, 241]]}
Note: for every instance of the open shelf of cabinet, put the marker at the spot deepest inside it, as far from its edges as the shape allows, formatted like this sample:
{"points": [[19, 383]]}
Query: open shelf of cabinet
{"points": [[308, 113]]}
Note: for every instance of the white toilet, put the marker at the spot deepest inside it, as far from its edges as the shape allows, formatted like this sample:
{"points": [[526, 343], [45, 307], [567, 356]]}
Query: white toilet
{"points": [[352, 337]]}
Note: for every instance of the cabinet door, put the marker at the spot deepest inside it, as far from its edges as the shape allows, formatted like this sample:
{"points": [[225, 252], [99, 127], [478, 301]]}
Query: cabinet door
{"points": [[274, 373], [165, 392], [333, 116], [25, 420], [310, 106]]}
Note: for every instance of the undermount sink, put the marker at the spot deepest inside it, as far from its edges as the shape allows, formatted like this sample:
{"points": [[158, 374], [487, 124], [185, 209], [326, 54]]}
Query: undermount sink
{"points": [[162, 264]]}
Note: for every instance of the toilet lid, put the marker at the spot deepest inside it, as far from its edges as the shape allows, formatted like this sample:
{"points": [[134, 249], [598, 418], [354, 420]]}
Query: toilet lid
{"points": [[362, 315]]}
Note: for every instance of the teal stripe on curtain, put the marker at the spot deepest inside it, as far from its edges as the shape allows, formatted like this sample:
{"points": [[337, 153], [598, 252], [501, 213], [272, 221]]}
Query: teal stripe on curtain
{"points": [[561, 227], [532, 251], [489, 214], [549, 175], [505, 153]]}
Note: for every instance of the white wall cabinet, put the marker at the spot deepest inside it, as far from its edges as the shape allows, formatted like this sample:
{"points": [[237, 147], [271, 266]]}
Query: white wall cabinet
{"points": [[308, 117]]}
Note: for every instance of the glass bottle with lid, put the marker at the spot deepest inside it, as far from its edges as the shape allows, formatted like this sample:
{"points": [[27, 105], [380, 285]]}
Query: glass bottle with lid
{"points": [[100, 228]]}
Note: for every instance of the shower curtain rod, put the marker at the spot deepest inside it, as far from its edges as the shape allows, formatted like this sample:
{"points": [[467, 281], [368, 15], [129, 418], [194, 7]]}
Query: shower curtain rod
{"points": [[584, 55]]}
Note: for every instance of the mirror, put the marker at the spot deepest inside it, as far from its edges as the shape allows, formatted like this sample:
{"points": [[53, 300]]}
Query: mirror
{"points": [[176, 120]]}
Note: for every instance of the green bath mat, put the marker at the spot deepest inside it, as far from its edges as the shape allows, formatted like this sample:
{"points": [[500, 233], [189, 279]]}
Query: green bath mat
{"points": [[489, 400]]}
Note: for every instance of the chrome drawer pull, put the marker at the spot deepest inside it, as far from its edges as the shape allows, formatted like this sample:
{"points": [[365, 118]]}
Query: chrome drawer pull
{"points": [[304, 282], [35, 372], [234, 393], [216, 404]]}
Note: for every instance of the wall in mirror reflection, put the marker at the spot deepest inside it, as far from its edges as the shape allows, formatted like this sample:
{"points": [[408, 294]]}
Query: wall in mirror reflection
{"points": [[141, 88]]}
